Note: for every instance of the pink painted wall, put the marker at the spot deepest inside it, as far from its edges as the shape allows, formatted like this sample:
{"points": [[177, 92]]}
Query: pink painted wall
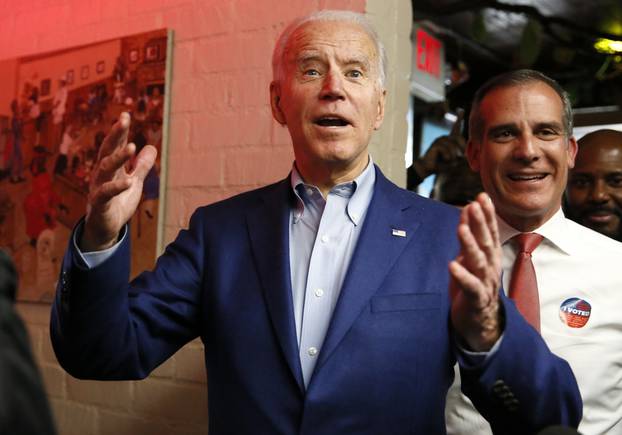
{"points": [[222, 141], [8, 90]]}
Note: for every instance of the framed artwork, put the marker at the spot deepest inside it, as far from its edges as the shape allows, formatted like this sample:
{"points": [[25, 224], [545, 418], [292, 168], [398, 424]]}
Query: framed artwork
{"points": [[133, 56], [45, 87], [69, 77], [38, 214], [152, 53]]}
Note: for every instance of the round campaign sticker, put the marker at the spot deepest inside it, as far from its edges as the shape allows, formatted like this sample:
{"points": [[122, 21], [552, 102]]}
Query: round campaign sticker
{"points": [[575, 312]]}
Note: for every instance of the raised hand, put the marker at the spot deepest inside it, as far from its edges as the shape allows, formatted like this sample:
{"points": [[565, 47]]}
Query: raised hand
{"points": [[115, 188], [476, 276], [444, 151]]}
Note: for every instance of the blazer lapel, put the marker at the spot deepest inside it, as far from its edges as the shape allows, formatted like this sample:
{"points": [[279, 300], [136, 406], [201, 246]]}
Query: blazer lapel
{"points": [[386, 232], [268, 227]]}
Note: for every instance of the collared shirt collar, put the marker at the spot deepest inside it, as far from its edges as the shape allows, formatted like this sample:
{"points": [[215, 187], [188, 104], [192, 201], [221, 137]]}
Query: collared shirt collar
{"points": [[359, 190], [553, 230]]}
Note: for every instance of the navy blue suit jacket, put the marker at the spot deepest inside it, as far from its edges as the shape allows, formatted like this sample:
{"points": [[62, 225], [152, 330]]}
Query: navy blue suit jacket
{"points": [[387, 359]]}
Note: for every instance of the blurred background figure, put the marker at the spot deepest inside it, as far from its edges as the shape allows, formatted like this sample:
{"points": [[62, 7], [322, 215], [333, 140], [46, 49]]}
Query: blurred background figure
{"points": [[41, 207], [16, 157], [59, 107], [24, 408], [35, 114], [594, 192], [62, 159], [455, 182]]}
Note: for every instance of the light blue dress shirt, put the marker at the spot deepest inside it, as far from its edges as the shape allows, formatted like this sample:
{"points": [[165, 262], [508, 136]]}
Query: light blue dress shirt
{"points": [[323, 233], [322, 237]]}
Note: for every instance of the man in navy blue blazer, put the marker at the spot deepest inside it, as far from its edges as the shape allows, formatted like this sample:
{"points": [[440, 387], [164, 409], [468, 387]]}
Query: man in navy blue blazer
{"points": [[24, 408], [332, 302]]}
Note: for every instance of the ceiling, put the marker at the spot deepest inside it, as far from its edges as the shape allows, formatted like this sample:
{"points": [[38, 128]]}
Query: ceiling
{"points": [[553, 36]]}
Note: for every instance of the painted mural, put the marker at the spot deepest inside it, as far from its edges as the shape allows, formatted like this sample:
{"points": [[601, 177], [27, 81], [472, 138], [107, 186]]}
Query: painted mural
{"points": [[55, 110]]}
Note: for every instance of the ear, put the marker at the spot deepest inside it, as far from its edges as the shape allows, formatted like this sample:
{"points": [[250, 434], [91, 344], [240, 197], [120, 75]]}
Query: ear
{"points": [[275, 103], [472, 154], [380, 113], [573, 148]]}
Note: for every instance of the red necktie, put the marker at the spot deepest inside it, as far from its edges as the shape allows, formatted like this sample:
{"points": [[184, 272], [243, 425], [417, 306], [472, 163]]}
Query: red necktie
{"points": [[523, 285]]}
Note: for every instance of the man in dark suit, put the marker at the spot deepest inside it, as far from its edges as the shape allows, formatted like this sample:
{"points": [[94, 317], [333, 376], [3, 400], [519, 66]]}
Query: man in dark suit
{"points": [[323, 300], [23, 404]]}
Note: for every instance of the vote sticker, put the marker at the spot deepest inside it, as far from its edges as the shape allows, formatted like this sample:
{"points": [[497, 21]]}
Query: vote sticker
{"points": [[575, 312]]}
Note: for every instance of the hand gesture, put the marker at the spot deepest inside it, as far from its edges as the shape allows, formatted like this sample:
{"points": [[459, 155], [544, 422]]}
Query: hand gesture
{"points": [[444, 151], [476, 276], [115, 188]]}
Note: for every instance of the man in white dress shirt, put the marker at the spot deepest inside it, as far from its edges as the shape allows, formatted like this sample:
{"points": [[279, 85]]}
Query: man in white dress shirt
{"points": [[521, 143]]}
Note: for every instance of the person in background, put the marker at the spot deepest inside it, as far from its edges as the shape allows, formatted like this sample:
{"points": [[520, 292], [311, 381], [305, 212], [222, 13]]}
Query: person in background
{"points": [[62, 160], [16, 157], [41, 206], [154, 134], [521, 144], [155, 105], [59, 107], [455, 182], [35, 114], [24, 407], [594, 191], [324, 299]]}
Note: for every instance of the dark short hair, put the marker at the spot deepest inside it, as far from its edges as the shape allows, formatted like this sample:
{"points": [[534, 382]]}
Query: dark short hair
{"points": [[511, 79]]}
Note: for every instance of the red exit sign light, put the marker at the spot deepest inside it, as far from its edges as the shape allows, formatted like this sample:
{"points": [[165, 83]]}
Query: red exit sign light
{"points": [[428, 53]]}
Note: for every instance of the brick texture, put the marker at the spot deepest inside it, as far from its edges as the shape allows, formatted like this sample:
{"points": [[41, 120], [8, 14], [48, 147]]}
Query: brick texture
{"points": [[222, 141]]}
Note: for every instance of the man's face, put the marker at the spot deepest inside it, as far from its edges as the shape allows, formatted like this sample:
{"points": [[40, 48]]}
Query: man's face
{"points": [[330, 98], [594, 193], [524, 155]]}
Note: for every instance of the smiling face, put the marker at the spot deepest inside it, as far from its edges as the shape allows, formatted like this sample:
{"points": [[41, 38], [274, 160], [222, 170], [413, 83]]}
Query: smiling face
{"points": [[523, 155], [330, 99], [594, 193]]}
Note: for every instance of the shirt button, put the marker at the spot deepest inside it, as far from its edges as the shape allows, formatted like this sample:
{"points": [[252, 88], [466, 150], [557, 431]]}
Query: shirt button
{"points": [[319, 292], [310, 192], [355, 216], [312, 351], [325, 238]]}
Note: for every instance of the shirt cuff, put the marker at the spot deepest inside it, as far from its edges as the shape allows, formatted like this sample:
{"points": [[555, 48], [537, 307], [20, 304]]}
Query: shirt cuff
{"points": [[470, 360], [95, 258]]}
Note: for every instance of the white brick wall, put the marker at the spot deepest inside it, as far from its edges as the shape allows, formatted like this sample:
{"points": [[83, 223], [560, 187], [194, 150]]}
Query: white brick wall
{"points": [[222, 141]]}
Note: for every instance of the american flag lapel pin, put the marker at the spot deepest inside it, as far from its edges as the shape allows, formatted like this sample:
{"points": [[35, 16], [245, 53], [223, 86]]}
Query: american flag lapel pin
{"points": [[398, 233]]}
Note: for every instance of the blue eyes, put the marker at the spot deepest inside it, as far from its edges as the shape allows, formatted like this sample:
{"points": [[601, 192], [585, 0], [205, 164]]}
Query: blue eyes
{"points": [[355, 74]]}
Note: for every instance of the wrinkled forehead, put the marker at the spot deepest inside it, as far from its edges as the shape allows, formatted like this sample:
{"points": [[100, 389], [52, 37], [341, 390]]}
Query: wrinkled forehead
{"points": [[340, 38]]}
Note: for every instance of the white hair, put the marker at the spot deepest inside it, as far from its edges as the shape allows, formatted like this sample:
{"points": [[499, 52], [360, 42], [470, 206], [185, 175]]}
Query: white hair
{"points": [[328, 15]]}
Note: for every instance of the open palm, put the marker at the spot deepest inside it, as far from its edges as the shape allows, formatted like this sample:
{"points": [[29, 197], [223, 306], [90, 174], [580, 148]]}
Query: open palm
{"points": [[115, 188]]}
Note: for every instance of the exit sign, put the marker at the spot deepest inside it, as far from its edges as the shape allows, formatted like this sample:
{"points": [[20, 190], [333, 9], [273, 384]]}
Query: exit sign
{"points": [[428, 53], [428, 72]]}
